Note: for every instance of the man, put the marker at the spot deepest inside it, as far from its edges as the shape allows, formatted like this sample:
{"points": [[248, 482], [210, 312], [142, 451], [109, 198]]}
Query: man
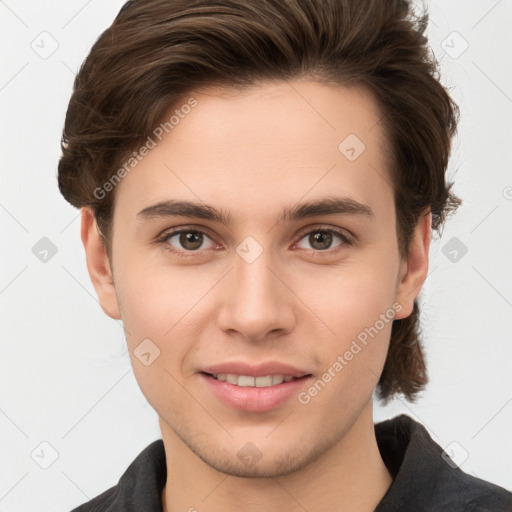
{"points": [[258, 183]]}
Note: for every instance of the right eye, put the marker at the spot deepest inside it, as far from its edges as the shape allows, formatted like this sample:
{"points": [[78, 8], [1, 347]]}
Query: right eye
{"points": [[182, 241]]}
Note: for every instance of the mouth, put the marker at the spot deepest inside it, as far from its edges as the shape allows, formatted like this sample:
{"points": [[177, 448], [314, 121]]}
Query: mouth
{"points": [[255, 394], [248, 381]]}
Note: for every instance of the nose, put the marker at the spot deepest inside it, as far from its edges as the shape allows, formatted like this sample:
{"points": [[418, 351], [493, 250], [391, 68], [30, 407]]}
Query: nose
{"points": [[257, 302]]}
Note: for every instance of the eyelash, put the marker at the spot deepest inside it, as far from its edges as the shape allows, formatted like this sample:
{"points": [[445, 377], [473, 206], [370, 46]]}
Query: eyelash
{"points": [[163, 240]]}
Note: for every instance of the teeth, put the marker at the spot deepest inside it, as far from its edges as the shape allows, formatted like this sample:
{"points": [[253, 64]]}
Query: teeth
{"points": [[248, 381], [245, 381], [277, 379], [262, 382], [232, 379]]}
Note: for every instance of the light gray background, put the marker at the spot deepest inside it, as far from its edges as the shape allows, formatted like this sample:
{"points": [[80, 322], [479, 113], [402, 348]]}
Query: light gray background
{"points": [[65, 375]]}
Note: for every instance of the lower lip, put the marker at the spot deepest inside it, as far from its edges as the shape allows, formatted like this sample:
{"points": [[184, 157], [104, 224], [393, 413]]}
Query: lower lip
{"points": [[254, 399]]}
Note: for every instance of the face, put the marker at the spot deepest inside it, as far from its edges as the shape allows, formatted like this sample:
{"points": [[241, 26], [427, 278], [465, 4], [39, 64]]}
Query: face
{"points": [[255, 267]]}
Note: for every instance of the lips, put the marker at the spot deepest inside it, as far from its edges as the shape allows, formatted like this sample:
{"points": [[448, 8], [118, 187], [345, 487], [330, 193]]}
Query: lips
{"points": [[254, 388]]}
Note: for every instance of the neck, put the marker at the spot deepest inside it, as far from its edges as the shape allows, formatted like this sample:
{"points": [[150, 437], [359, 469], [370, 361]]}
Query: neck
{"points": [[349, 476]]}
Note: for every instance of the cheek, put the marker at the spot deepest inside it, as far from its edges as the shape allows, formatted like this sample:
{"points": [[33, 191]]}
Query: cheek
{"points": [[157, 317], [356, 303], [165, 306], [353, 296], [360, 312], [152, 298]]}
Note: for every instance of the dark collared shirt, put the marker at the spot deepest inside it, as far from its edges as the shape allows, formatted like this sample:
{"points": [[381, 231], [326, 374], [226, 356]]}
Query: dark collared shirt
{"points": [[424, 479]]}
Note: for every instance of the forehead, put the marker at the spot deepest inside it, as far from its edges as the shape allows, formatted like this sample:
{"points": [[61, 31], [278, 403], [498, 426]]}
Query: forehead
{"points": [[286, 114], [276, 142]]}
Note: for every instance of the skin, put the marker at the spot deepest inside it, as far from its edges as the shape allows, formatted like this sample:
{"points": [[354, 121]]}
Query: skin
{"points": [[253, 153]]}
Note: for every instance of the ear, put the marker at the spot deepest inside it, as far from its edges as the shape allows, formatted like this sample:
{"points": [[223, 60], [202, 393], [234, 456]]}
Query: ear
{"points": [[414, 270], [98, 264]]}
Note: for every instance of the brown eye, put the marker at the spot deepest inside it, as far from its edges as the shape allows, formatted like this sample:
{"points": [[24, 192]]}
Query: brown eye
{"points": [[187, 240], [191, 240], [322, 239]]}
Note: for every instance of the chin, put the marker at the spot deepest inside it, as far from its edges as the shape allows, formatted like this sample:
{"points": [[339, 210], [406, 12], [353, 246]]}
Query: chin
{"points": [[250, 462]]}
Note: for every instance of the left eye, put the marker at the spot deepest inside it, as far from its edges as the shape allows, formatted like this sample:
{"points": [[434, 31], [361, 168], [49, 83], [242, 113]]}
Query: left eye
{"points": [[322, 239]]}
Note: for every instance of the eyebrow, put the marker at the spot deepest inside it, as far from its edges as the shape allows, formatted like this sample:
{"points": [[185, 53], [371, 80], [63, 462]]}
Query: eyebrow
{"points": [[325, 206]]}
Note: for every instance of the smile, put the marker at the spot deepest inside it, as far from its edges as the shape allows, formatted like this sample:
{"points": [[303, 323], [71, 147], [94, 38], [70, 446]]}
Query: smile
{"points": [[254, 393], [256, 382]]}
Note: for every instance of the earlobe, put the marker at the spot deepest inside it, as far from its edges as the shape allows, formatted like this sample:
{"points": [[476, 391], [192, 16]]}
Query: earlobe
{"points": [[98, 264], [414, 270]]}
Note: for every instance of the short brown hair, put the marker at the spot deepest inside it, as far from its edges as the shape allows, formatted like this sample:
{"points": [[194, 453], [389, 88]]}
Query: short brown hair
{"points": [[156, 51]]}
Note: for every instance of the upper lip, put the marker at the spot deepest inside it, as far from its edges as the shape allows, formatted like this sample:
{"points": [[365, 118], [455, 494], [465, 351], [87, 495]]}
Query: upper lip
{"points": [[255, 370]]}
